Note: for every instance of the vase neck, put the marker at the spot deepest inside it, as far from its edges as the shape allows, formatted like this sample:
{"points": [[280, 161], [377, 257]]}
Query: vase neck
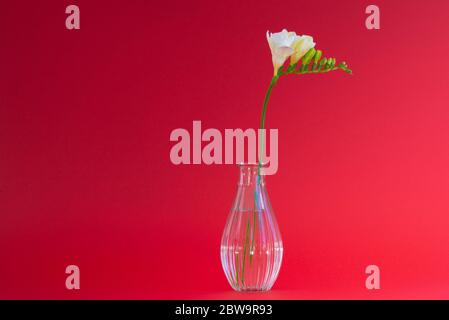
{"points": [[250, 175]]}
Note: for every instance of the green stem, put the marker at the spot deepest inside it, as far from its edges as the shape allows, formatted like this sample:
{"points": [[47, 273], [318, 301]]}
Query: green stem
{"points": [[262, 119], [251, 250], [319, 70], [244, 252], [236, 262], [273, 82], [261, 152]]}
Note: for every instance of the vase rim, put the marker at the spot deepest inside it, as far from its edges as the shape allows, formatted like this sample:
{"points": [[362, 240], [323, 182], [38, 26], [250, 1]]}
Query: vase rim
{"points": [[252, 164]]}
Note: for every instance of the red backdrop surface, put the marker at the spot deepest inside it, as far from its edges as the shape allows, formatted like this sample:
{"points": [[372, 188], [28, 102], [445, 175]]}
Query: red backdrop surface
{"points": [[85, 172]]}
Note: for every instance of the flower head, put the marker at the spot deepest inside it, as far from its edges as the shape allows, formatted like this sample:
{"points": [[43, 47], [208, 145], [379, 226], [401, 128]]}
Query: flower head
{"points": [[285, 44], [281, 46]]}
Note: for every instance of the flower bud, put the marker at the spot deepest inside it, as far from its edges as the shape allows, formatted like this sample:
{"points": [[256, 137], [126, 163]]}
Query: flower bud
{"points": [[308, 56], [317, 56]]}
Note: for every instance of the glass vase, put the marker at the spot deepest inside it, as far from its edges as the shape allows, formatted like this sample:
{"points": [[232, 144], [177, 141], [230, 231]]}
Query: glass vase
{"points": [[251, 245]]}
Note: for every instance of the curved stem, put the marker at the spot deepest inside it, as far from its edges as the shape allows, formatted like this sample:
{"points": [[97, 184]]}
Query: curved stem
{"points": [[262, 119], [261, 153]]}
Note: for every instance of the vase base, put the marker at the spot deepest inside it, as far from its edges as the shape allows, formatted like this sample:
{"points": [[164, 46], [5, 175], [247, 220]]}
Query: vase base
{"points": [[250, 290]]}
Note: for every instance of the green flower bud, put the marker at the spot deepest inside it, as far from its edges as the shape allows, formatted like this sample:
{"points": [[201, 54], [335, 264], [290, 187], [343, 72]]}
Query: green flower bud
{"points": [[322, 63], [317, 56], [308, 56]]}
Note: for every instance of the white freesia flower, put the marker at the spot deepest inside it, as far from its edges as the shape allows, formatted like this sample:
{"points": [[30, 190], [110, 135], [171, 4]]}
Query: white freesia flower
{"points": [[286, 44], [281, 46], [301, 46]]}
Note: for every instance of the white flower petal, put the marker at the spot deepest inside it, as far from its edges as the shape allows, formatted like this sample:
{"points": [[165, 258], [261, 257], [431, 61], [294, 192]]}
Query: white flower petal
{"points": [[281, 46]]}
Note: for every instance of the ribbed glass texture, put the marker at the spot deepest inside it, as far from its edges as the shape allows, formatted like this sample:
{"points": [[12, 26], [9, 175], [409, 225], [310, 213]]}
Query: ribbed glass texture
{"points": [[251, 245]]}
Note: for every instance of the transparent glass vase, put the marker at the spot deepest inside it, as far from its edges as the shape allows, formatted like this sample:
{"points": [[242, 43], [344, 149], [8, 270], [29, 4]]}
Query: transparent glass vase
{"points": [[251, 245]]}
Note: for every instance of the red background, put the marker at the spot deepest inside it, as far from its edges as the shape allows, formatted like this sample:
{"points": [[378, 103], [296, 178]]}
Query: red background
{"points": [[85, 173]]}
